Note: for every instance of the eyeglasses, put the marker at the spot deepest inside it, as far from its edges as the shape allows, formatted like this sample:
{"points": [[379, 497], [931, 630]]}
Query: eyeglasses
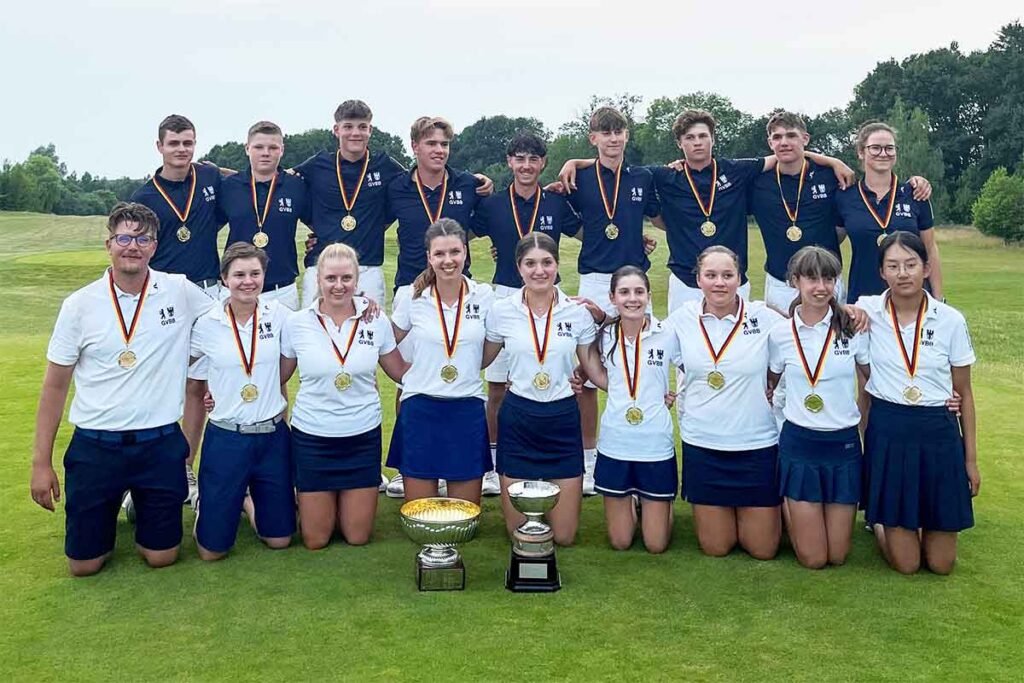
{"points": [[877, 150], [123, 240]]}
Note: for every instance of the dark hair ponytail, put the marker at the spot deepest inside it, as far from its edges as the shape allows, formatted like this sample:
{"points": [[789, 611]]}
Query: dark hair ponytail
{"points": [[443, 227], [818, 263]]}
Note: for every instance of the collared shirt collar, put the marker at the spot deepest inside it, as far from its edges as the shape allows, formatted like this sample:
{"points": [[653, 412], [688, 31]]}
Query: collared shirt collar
{"points": [[824, 322], [731, 316], [930, 312], [360, 303]]}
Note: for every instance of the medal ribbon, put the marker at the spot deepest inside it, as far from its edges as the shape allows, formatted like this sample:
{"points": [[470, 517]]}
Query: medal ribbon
{"points": [[799, 190], [515, 212], [127, 331], [261, 218], [610, 212], [538, 348], [717, 355], [450, 344], [191, 194], [811, 377], [884, 225], [359, 185], [714, 186], [910, 360], [632, 378], [423, 198], [342, 357], [247, 363]]}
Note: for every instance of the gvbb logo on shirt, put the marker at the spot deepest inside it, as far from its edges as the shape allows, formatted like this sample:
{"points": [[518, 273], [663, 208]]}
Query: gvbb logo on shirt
{"points": [[724, 183], [929, 338], [472, 311], [455, 197], [637, 195], [819, 191], [266, 331], [903, 210], [167, 316], [373, 179], [564, 330], [656, 357], [366, 337], [546, 223], [840, 347], [284, 205], [209, 194], [750, 326]]}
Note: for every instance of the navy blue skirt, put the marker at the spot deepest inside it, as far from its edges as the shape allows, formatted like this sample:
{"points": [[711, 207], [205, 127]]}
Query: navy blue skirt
{"points": [[441, 438], [336, 463], [820, 466], [735, 479], [657, 480], [539, 440], [916, 474]]}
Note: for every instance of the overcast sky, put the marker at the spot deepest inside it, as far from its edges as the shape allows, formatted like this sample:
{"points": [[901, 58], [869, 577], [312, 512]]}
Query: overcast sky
{"points": [[96, 77]]}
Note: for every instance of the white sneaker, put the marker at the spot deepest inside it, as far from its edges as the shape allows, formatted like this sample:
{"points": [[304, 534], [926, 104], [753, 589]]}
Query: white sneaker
{"points": [[396, 487], [128, 506], [588, 484], [442, 488], [383, 483], [193, 488], [491, 485]]}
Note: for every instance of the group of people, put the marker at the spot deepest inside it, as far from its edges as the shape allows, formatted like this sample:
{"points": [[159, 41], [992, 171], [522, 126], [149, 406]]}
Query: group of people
{"points": [[760, 444]]}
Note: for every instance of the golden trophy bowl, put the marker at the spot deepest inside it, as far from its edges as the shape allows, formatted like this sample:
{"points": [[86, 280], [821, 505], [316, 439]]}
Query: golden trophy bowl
{"points": [[440, 525]]}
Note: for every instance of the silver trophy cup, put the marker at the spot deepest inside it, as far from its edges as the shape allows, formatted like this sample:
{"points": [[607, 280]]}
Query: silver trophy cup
{"points": [[440, 525], [532, 567]]}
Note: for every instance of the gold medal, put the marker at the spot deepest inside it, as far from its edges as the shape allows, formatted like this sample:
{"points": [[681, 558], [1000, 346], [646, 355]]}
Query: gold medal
{"points": [[881, 238], [814, 403], [342, 381], [794, 233], [183, 234], [127, 358], [716, 380], [348, 223], [250, 393], [708, 229], [912, 394], [542, 381], [449, 373], [634, 415], [882, 223], [611, 231], [260, 239]]}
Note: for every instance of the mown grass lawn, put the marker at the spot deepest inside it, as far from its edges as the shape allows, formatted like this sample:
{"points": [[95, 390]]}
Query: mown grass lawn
{"points": [[354, 613]]}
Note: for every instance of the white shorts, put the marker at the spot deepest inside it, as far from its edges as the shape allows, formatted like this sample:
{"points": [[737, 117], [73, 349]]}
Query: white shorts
{"points": [[287, 295], [371, 284], [498, 370], [679, 292], [217, 292], [596, 286], [779, 295], [403, 292]]}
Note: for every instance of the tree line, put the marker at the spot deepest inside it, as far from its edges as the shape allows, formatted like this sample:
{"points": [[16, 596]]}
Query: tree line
{"points": [[959, 118]]}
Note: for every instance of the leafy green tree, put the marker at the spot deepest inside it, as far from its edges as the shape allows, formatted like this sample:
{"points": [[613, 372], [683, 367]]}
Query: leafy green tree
{"points": [[917, 156], [655, 138], [483, 143], [300, 146], [999, 209]]}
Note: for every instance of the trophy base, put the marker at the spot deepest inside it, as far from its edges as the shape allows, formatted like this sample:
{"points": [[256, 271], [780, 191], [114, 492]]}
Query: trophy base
{"points": [[450, 578], [532, 574]]}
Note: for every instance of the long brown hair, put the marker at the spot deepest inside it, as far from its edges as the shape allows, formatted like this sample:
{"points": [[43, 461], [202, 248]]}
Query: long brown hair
{"points": [[612, 323], [818, 263], [443, 227]]}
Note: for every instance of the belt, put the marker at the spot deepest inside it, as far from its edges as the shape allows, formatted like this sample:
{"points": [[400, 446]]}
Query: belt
{"points": [[265, 427], [208, 282], [129, 436]]}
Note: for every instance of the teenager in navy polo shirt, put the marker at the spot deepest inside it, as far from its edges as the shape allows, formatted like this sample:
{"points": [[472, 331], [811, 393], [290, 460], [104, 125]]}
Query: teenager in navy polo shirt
{"points": [[263, 205], [348, 192], [506, 217]]}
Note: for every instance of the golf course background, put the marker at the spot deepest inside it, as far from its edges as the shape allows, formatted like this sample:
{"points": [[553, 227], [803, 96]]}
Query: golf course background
{"points": [[354, 612]]}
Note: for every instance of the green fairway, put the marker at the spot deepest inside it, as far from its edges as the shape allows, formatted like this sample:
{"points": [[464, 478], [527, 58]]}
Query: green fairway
{"points": [[354, 612]]}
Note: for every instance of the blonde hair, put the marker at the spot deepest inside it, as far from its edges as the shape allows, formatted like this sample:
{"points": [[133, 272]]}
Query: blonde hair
{"points": [[339, 252]]}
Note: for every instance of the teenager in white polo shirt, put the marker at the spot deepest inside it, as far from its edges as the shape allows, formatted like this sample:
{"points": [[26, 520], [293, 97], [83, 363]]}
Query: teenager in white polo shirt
{"points": [[636, 447], [336, 435], [246, 444], [539, 437], [922, 465], [441, 428], [123, 339], [730, 439], [819, 353]]}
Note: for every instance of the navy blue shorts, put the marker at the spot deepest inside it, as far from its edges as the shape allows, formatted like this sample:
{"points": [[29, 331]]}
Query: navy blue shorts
{"points": [[336, 463], [231, 462], [99, 466], [916, 473], [820, 466], [441, 438], [538, 440], [651, 480], [736, 479]]}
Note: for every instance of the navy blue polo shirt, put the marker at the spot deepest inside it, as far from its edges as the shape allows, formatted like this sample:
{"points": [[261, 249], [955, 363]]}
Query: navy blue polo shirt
{"points": [[197, 258], [321, 176], [908, 214], [493, 218], [405, 206], [683, 217], [637, 198], [289, 205], [816, 214]]}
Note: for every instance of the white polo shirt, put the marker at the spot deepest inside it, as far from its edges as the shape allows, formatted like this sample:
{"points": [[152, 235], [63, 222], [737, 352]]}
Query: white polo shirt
{"points": [[424, 346], [88, 336], [652, 440], [213, 339], [837, 383], [945, 343], [736, 417], [320, 407], [573, 326]]}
